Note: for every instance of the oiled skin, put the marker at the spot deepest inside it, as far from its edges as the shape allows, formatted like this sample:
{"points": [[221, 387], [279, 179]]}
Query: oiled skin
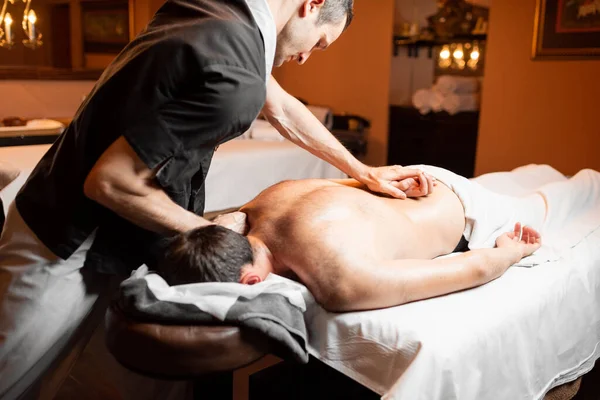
{"points": [[320, 228]]}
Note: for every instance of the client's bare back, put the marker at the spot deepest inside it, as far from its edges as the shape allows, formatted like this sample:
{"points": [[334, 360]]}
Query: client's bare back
{"points": [[320, 221]]}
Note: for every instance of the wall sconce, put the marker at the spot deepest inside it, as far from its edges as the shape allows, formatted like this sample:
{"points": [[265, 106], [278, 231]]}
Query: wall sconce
{"points": [[459, 56], [33, 38]]}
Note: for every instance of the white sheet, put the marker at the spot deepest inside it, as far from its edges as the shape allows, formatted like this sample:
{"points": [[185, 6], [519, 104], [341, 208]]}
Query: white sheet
{"points": [[240, 169], [513, 338]]}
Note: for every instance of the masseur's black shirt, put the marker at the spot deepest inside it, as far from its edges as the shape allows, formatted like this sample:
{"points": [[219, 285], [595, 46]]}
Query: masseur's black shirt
{"points": [[192, 80]]}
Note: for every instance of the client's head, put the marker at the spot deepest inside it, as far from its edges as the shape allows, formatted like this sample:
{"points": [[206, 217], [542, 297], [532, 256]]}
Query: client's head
{"points": [[207, 254]]}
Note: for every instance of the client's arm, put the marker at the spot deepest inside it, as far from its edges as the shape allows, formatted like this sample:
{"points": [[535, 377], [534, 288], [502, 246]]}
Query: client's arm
{"points": [[391, 283]]}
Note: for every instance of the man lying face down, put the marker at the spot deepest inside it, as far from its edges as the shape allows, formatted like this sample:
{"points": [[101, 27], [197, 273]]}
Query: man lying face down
{"points": [[356, 250]]}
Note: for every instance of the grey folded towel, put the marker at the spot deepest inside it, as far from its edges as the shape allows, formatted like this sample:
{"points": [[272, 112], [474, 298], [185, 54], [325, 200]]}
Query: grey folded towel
{"points": [[271, 314]]}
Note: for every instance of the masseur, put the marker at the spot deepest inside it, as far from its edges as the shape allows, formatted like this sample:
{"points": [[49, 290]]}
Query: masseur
{"points": [[132, 164]]}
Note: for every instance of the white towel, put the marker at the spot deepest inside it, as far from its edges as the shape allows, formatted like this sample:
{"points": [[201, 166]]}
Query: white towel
{"points": [[573, 209], [436, 100], [454, 103], [447, 84], [421, 99], [427, 100], [217, 298]]}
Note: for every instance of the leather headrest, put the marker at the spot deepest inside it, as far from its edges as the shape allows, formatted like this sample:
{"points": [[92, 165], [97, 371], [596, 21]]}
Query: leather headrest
{"points": [[180, 352]]}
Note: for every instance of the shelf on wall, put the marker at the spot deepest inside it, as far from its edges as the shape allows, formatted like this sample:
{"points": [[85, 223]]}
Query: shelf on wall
{"points": [[413, 44]]}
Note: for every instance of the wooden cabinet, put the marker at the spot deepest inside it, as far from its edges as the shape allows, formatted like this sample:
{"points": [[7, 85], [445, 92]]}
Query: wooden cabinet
{"points": [[440, 139]]}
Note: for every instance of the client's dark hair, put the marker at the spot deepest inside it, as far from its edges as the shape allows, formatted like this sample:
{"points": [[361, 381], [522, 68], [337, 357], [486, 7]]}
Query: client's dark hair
{"points": [[208, 254]]}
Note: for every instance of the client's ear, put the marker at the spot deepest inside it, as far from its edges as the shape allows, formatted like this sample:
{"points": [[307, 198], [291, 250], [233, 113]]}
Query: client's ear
{"points": [[250, 275], [250, 279]]}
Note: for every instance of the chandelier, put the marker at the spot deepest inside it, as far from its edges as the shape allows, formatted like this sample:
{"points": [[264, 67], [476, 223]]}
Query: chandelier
{"points": [[7, 32]]}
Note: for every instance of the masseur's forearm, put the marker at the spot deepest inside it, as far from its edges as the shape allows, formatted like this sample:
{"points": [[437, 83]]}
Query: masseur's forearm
{"points": [[295, 122], [150, 208], [397, 282], [121, 182]]}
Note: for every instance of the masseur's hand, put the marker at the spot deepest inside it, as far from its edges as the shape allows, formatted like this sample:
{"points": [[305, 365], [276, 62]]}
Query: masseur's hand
{"points": [[399, 182], [526, 240], [236, 221]]}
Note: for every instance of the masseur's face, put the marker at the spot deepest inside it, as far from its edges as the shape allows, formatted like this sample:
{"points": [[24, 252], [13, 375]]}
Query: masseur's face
{"points": [[302, 35]]}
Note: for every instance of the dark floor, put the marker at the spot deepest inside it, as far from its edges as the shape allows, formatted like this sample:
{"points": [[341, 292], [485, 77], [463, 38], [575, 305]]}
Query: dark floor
{"points": [[316, 381], [590, 385], [312, 381]]}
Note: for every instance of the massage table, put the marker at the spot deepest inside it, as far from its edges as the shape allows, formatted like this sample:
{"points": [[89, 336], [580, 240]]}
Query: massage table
{"points": [[239, 171], [531, 334]]}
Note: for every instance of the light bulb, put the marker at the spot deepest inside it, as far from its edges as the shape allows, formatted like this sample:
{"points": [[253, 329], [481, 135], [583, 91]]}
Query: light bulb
{"points": [[7, 31], [32, 17], [458, 53], [445, 53], [475, 54]]}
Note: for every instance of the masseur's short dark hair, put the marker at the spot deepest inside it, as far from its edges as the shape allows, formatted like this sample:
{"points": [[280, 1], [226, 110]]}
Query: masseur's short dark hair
{"points": [[334, 10], [208, 254]]}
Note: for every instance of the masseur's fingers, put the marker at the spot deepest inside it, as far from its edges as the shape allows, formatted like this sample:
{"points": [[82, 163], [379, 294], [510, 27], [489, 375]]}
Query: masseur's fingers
{"points": [[389, 180], [236, 221], [389, 189], [430, 182]]}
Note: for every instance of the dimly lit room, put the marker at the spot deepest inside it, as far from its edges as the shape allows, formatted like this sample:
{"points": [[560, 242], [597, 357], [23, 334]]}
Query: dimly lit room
{"points": [[299, 199]]}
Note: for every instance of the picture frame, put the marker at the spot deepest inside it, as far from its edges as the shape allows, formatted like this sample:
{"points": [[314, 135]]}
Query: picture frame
{"points": [[106, 25], [567, 30]]}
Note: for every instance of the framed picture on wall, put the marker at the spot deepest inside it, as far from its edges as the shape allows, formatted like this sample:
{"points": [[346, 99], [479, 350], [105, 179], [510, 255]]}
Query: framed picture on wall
{"points": [[105, 25], [567, 29]]}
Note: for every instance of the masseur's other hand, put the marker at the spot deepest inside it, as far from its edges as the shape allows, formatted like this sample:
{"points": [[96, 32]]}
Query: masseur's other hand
{"points": [[236, 221], [526, 241], [399, 182]]}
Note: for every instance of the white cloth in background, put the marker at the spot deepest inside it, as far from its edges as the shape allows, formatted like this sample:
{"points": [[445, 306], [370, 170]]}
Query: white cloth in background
{"points": [[447, 84], [436, 100], [454, 103], [426, 100], [421, 99], [323, 114], [263, 130], [241, 169]]}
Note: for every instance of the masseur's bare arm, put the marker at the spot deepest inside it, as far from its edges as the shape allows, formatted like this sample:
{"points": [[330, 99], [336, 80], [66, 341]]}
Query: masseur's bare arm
{"points": [[363, 287], [295, 122], [121, 182]]}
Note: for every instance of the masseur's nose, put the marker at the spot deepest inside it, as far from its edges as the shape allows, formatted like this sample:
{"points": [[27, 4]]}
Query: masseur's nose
{"points": [[302, 57]]}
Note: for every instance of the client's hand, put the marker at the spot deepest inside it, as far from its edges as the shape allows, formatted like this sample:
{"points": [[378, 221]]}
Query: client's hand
{"points": [[526, 241], [399, 182], [236, 221]]}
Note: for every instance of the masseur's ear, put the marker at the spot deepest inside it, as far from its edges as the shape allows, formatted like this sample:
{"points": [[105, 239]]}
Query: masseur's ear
{"points": [[310, 6]]}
